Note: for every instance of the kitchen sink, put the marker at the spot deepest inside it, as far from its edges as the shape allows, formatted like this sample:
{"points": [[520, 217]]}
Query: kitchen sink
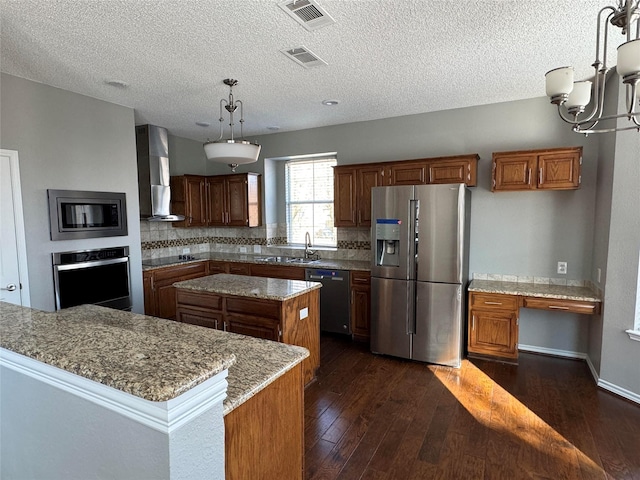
{"points": [[276, 259]]}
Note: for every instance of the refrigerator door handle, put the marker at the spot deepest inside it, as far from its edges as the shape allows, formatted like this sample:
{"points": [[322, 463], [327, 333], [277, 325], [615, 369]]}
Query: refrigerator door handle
{"points": [[411, 308], [414, 208]]}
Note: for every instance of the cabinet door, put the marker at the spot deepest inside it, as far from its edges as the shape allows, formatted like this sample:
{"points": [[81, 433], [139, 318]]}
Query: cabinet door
{"points": [[237, 201], [165, 292], [514, 172], [218, 267], [344, 197], [451, 171], [277, 271], [195, 201], [367, 178], [216, 201], [559, 171], [414, 173], [254, 200], [149, 298], [253, 326], [494, 333], [361, 305]]}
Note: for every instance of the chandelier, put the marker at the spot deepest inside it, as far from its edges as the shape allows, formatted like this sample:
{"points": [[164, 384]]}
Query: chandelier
{"points": [[232, 152], [572, 98]]}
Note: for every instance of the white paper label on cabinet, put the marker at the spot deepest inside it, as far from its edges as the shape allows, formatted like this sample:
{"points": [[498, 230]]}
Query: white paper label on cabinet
{"points": [[304, 313]]}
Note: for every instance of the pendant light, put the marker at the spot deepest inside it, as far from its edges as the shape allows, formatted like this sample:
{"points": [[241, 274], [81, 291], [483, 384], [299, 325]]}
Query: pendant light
{"points": [[232, 151]]}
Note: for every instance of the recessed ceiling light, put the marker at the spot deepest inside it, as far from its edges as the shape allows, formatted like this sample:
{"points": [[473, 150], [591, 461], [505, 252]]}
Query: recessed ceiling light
{"points": [[330, 103], [273, 127], [116, 83], [203, 124]]}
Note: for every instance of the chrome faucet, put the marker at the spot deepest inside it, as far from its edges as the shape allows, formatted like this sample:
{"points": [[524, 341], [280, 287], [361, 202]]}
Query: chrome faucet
{"points": [[308, 253]]}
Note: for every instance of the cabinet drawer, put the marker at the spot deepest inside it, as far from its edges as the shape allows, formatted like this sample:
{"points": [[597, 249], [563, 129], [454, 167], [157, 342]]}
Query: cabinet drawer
{"points": [[360, 278], [197, 299], [494, 300], [189, 270], [557, 305], [257, 307]]}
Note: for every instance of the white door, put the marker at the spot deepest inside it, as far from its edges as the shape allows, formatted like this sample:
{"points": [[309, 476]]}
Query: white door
{"points": [[14, 284]]}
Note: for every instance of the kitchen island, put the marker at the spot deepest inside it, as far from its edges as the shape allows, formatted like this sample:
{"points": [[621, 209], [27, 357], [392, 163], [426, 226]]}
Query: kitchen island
{"points": [[285, 311], [89, 389]]}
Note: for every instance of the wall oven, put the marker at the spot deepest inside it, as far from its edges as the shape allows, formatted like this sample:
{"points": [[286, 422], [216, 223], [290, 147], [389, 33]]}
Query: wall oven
{"points": [[97, 276], [79, 214]]}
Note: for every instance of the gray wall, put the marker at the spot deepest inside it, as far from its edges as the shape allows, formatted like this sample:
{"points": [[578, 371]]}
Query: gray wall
{"points": [[518, 233], [621, 356], [72, 142]]}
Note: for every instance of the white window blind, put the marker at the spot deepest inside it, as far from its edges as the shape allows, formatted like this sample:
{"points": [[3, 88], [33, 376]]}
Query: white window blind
{"points": [[309, 201]]}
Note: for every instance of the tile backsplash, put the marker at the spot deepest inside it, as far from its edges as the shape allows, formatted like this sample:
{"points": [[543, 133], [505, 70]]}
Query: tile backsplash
{"points": [[161, 239]]}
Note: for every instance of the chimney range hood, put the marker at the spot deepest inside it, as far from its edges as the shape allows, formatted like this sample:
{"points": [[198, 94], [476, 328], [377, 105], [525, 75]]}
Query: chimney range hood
{"points": [[152, 145]]}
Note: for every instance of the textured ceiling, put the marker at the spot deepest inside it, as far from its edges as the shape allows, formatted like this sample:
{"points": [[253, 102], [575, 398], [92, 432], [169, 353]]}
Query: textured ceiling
{"points": [[385, 58]]}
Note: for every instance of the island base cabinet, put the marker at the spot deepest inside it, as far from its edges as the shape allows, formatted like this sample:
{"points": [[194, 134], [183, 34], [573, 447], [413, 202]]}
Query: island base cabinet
{"points": [[264, 437]]}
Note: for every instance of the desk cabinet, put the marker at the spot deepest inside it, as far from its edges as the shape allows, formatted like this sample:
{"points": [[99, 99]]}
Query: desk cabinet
{"points": [[493, 325]]}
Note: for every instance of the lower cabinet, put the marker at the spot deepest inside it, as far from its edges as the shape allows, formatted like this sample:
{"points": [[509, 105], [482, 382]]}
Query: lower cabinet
{"points": [[262, 318], [288, 272], [493, 325], [360, 305], [160, 294]]}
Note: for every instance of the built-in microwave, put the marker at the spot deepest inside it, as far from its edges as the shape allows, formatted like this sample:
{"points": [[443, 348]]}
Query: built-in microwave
{"points": [[77, 214]]}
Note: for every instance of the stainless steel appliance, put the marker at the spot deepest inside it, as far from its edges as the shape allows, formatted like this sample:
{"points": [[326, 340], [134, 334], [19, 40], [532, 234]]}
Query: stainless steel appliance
{"points": [[419, 271], [77, 214], [335, 311], [92, 276], [152, 147]]}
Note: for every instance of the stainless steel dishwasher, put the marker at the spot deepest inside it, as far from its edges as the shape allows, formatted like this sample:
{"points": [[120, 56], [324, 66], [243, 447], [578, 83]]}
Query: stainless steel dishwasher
{"points": [[335, 308]]}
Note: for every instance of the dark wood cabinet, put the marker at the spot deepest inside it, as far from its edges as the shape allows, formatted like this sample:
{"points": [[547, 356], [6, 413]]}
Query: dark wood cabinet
{"points": [[277, 320], [160, 295], [493, 325], [221, 200], [550, 169], [352, 194], [353, 183], [277, 271], [360, 305]]}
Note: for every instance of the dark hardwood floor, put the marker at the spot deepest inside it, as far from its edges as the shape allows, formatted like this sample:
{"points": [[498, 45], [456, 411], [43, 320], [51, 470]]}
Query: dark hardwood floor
{"points": [[376, 417]]}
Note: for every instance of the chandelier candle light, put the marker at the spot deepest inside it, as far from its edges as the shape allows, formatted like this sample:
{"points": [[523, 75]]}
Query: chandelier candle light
{"points": [[572, 97], [232, 152]]}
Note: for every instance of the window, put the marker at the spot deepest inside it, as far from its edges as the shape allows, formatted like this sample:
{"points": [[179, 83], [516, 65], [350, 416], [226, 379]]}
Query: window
{"points": [[309, 201]]}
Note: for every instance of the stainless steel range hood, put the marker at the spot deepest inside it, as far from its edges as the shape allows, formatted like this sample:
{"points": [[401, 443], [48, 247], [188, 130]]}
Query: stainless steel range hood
{"points": [[152, 145]]}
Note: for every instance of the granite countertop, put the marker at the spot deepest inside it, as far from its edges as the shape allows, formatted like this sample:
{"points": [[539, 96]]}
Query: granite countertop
{"points": [[542, 290], [248, 286], [246, 258], [148, 357]]}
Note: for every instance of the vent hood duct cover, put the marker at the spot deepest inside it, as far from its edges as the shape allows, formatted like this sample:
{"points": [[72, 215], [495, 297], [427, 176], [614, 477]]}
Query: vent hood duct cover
{"points": [[152, 145]]}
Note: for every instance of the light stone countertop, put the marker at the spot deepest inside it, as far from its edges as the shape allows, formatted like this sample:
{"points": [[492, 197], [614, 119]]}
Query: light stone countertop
{"points": [[248, 286], [334, 264], [561, 292], [148, 357]]}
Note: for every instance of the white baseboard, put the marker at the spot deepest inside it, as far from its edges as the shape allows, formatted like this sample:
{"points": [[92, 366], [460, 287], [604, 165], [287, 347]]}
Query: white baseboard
{"points": [[610, 387], [552, 351]]}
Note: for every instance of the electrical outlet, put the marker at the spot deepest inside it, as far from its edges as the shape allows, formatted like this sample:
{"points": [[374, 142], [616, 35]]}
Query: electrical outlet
{"points": [[186, 250], [243, 249], [562, 268], [257, 249]]}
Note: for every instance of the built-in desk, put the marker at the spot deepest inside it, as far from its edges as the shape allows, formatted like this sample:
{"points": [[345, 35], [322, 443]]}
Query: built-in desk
{"points": [[494, 308]]}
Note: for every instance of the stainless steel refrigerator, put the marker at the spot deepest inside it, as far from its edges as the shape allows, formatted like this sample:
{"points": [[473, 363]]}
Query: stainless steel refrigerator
{"points": [[420, 245]]}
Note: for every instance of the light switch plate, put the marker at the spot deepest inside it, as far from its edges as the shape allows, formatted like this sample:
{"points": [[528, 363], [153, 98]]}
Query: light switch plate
{"points": [[562, 268]]}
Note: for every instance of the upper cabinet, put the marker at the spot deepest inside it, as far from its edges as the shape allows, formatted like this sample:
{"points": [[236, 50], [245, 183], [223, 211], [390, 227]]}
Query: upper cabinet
{"points": [[352, 194], [221, 200], [353, 183], [549, 169]]}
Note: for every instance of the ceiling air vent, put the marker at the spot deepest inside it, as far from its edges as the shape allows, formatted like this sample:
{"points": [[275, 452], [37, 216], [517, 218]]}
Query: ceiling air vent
{"points": [[307, 13], [303, 56]]}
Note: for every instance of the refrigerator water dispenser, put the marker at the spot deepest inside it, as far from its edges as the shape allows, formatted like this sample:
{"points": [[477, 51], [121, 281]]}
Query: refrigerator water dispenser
{"points": [[388, 242]]}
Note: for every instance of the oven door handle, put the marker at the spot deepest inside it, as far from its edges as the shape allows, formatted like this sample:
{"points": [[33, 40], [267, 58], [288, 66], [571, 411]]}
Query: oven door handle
{"points": [[92, 263]]}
